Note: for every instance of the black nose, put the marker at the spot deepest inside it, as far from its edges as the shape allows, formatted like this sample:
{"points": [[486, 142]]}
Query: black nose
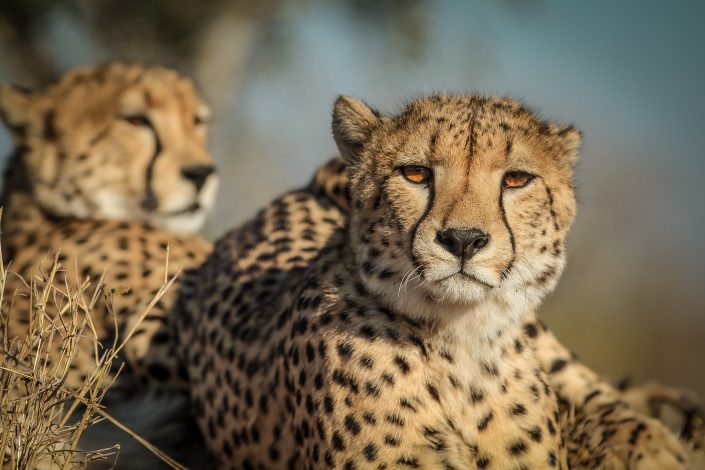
{"points": [[463, 242], [197, 174]]}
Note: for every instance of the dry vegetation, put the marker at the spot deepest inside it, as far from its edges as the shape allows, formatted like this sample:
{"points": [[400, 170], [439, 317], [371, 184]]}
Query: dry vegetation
{"points": [[41, 419]]}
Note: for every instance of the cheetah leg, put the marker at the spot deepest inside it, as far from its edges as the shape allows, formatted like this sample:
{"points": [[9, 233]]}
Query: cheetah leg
{"points": [[600, 428]]}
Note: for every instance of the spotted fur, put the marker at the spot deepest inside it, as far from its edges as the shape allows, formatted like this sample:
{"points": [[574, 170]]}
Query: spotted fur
{"points": [[110, 168], [313, 340]]}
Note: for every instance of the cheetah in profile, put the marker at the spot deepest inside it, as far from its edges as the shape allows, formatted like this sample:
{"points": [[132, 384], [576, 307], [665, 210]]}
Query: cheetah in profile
{"points": [[110, 167], [403, 336]]}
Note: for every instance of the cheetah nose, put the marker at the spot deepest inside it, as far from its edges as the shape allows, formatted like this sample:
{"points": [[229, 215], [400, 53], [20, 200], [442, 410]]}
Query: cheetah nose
{"points": [[463, 242], [197, 174]]}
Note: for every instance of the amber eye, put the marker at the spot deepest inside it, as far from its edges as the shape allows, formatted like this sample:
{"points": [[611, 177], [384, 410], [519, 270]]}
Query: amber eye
{"points": [[137, 120], [517, 179], [198, 121], [416, 174]]}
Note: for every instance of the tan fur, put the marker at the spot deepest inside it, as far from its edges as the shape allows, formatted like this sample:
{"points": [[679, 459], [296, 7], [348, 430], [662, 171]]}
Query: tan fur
{"points": [[315, 342], [576, 385], [80, 183], [83, 158]]}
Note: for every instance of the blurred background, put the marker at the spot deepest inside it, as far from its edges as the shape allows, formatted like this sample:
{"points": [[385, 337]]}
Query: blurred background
{"points": [[631, 74]]}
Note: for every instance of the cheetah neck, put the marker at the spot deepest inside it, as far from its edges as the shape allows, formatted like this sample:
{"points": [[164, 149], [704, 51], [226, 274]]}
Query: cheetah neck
{"points": [[482, 333]]}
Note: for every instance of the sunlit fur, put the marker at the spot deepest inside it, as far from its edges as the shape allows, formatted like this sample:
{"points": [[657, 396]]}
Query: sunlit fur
{"points": [[83, 158], [296, 332], [469, 143]]}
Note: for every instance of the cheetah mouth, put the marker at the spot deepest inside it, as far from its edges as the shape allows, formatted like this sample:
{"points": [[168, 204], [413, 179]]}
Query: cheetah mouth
{"points": [[190, 209], [470, 277]]}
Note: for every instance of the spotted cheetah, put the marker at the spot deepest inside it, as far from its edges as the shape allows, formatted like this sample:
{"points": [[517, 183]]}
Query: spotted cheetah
{"points": [[404, 334], [110, 168], [679, 409]]}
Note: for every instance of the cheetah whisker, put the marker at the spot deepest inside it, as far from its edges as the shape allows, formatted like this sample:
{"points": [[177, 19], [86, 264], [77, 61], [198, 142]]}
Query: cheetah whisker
{"points": [[408, 276]]}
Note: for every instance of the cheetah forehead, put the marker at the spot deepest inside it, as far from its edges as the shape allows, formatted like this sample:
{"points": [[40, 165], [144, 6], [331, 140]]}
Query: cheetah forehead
{"points": [[467, 110], [86, 97], [111, 80], [472, 123]]}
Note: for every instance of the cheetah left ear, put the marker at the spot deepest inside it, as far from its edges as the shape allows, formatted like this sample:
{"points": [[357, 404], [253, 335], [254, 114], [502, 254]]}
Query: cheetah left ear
{"points": [[569, 140], [17, 110], [353, 123]]}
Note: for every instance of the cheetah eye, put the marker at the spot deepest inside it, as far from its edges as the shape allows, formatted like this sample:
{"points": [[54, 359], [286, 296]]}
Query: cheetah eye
{"points": [[137, 120], [416, 174], [516, 179], [199, 120]]}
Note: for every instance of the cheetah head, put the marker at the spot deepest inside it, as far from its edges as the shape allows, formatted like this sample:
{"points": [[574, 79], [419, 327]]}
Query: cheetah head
{"points": [[124, 142], [457, 201]]}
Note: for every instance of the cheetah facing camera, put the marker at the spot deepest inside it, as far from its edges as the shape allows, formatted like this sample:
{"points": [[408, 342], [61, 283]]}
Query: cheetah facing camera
{"points": [[110, 166], [404, 337]]}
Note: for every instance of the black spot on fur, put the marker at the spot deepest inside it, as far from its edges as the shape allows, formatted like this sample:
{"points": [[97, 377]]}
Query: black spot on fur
{"points": [[530, 330], [352, 425], [345, 351], [403, 364], [338, 442], [557, 365], [433, 391], [370, 452], [517, 448], [484, 422]]}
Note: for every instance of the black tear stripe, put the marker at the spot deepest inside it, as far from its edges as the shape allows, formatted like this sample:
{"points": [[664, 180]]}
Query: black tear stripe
{"points": [[549, 195], [429, 206], [61, 158], [150, 199], [505, 271]]}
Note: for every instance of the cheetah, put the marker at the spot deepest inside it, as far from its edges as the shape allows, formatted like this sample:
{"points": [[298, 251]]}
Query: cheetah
{"points": [[110, 168], [404, 335], [679, 409]]}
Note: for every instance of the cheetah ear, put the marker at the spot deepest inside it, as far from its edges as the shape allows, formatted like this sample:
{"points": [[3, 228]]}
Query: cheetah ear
{"points": [[569, 140], [353, 123], [17, 110]]}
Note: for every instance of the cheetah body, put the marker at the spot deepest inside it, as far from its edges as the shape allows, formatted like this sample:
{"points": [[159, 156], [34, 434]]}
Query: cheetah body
{"points": [[100, 177], [373, 391], [312, 340]]}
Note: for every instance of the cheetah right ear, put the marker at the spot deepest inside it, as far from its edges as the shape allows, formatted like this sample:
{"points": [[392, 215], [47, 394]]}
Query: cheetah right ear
{"points": [[17, 110], [569, 140], [353, 123]]}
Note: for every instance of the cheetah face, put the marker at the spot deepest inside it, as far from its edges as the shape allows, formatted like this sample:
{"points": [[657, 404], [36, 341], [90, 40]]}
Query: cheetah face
{"points": [[457, 201], [122, 142]]}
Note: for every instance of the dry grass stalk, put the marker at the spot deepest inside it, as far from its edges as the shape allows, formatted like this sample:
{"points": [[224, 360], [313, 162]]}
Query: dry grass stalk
{"points": [[41, 419]]}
